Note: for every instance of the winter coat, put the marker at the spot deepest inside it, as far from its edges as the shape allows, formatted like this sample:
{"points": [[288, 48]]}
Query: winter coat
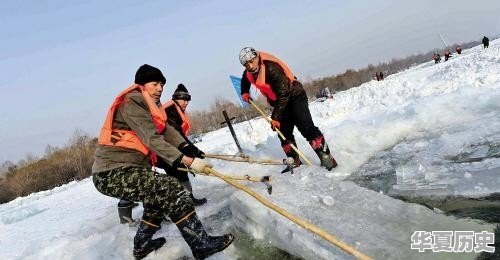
{"points": [[134, 115], [127, 138], [175, 120], [276, 78], [486, 40]]}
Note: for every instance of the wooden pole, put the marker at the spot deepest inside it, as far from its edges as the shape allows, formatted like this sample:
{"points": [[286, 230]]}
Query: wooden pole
{"points": [[244, 159], [308, 226], [239, 178]]}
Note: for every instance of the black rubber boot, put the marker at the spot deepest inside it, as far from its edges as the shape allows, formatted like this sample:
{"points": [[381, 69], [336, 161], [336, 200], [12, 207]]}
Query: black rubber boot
{"points": [[143, 242], [125, 211], [198, 202], [188, 187], [321, 148], [202, 245], [290, 153]]}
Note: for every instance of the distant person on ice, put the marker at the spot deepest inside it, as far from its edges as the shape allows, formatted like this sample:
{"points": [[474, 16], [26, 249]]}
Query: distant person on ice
{"points": [[288, 98], [459, 50], [381, 75], [134, 135], [486, 42], [447, 55], [177, 118], [437, 58]]}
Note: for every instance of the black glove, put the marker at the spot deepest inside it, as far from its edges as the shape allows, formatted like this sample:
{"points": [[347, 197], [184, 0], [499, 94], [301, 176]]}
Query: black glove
{"points": [[191, 150], [200, 154], [162, 164]]}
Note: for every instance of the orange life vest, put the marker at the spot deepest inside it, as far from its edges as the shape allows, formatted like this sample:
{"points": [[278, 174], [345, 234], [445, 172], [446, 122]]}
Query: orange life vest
{"points": [[127, 138], [260, 83], [186, 125]]}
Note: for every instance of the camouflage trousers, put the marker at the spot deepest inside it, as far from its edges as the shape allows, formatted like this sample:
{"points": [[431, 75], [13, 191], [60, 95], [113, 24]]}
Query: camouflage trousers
{"points": [[161, 195]]}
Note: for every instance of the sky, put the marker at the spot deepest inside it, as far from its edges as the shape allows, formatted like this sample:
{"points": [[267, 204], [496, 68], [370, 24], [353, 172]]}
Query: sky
{"points": [[63, 62]]}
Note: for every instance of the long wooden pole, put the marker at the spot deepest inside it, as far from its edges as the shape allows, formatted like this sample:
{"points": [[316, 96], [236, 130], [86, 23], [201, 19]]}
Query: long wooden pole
{"points": [[280, 134], [239, 178], [308, 226], [244, 159]]}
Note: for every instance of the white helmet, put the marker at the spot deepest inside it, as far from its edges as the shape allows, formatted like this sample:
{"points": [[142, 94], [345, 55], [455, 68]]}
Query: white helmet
{"points": [[246, 54]]}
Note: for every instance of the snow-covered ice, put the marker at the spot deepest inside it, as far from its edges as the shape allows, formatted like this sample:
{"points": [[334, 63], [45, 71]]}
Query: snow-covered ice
{"points": [[432, 129]]}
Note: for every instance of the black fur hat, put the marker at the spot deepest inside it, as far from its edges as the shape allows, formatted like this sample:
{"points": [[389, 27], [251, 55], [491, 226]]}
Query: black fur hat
{"points": [[181, 93], [147, 73]]}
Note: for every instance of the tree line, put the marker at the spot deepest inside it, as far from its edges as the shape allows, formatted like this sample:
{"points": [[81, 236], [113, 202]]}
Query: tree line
{"points": [[56, 167]]}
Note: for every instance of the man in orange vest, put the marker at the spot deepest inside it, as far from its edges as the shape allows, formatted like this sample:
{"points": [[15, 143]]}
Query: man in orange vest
{"points": [[437, 58], [286, 95], [134, 135], [178, 118], [447, 55]]}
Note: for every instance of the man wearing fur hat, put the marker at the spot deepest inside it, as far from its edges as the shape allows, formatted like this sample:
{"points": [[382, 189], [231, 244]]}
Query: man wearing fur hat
{"points": [[134, 135], [179, 120]]}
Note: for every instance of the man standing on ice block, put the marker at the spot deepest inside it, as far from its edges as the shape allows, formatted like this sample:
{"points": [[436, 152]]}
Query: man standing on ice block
{"points": [[286, 95]]}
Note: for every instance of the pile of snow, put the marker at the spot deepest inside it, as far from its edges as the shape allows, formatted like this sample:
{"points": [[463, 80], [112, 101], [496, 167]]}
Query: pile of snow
{"points": [[435, 126]]}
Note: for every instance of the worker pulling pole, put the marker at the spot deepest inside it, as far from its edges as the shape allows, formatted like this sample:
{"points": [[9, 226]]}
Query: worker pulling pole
{"points": [[286, 94]]}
